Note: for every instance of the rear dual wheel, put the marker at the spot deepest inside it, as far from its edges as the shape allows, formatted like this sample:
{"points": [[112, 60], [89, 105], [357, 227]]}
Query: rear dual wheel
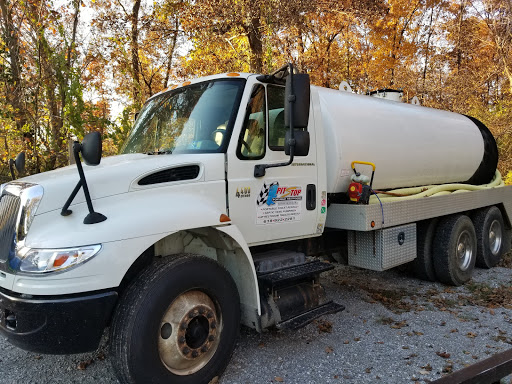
{"points": [[490, 233], [177, 323], [455, 249], [449, 248]]}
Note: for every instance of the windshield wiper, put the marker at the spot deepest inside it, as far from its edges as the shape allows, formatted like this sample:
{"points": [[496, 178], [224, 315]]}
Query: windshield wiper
{"points": [[157, 152]]}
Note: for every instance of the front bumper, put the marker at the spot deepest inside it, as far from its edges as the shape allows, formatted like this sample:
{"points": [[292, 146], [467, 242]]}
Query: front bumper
{"points": [[63, 325]]}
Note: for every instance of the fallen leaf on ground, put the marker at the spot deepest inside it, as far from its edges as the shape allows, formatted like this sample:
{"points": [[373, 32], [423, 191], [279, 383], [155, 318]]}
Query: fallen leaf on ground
{"points": [[448, 368], [444, 355], [84, 364], [324, 326]]}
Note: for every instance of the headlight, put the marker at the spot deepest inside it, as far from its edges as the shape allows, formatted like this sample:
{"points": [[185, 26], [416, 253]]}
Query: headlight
{"points": [[50, 260]]}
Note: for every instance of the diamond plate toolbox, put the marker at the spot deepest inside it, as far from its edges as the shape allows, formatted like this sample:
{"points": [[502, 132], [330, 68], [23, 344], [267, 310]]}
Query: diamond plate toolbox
{"points": [[382, 249]]}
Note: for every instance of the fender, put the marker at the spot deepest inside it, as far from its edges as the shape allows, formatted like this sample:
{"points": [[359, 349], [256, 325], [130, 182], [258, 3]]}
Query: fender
{"points": [[135, 221], [243, 272]]}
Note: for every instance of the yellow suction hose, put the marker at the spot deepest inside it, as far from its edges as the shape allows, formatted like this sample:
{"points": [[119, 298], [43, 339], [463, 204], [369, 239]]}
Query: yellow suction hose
{"points": [[435, 190]]}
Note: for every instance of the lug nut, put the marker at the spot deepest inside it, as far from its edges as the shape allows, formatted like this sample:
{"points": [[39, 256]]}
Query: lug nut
{"points": [[195, 353], [191, 315], [213, 325], [181, 339], [201, 311], [185, 351], [183, 326], [204, 348], [209, 315], [211, 338]]}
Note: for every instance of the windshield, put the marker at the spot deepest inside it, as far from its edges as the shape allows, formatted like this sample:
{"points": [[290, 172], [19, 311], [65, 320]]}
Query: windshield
{"points": [[192, 119]]}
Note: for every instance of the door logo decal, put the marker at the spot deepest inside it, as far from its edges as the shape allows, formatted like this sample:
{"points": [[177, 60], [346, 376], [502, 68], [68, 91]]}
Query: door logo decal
{"points": [[243, 192], [278, 204]]}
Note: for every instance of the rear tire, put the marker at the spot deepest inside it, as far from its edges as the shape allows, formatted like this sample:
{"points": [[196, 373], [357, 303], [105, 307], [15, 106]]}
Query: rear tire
{"points": [[423, 265], [490, 236], [177, 323], [455, 250]]}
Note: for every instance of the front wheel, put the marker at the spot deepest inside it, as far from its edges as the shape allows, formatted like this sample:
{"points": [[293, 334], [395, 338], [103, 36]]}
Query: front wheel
{"points": [[177, 323]]}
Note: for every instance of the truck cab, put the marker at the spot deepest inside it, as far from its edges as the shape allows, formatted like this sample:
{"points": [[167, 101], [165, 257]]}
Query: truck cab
{"points": [[180, 197]]}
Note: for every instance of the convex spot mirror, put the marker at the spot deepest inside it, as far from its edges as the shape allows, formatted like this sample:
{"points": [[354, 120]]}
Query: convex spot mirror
{"points": [[91, 148], [299, 88], [301, 143]]}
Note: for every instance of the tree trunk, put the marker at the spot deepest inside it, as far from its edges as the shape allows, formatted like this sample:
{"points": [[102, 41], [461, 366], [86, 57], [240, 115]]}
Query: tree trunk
{"points": [[427, 47], [256, 45], [11, 38], [170, 54], [135, 53]]}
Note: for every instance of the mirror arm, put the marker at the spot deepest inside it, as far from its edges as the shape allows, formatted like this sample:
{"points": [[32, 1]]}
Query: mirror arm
{"points": [[11, 168], [65, 209], [259, 169], [92, 217]]}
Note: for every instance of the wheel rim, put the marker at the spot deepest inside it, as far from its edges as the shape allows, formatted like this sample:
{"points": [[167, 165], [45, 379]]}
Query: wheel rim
{"points": [[189, 333], [495, 237], [464, 250]]}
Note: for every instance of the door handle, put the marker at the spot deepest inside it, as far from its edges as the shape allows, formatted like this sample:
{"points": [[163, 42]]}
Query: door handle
{"points": [[311, 197]]}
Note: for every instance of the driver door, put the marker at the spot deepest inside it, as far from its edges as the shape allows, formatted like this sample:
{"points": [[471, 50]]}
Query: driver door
{"points": [[282, 205]]}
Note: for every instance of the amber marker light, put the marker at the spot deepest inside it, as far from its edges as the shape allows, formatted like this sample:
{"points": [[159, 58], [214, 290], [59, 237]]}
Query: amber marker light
{"points": [[186, 83], [372, 224], [60, 260], [174, 87], [224, 218], [232, 74]]}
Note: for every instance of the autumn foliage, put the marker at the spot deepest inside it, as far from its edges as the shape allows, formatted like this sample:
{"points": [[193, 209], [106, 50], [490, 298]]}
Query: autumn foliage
{"points": [[70, 67]]}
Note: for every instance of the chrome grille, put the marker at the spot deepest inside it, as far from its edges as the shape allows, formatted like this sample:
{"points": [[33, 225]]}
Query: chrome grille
{"points": [[9, 208]]}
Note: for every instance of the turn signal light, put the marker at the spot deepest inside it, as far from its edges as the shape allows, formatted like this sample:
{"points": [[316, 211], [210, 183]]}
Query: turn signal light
{"points": [[224, 218]]}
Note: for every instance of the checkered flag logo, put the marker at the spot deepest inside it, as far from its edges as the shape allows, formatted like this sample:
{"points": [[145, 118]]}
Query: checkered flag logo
{"points": [[263, 195]]}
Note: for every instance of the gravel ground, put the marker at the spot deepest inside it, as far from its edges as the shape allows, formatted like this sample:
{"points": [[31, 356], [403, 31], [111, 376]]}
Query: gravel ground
{"points": [[395, 329]]}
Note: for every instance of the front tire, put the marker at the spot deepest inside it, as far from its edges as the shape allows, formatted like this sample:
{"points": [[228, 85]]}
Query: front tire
{"points": [[177, 323]]}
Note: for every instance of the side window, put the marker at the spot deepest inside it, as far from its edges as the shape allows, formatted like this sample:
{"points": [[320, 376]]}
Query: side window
{"points": [[276, 129], [251, 144]]}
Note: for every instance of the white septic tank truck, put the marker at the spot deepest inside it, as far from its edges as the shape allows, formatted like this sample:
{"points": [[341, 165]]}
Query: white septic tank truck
{"points": [[196, 226]]}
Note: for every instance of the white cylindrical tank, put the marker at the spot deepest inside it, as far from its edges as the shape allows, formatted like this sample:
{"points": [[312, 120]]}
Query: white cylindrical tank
{"points": [[410, 145]]}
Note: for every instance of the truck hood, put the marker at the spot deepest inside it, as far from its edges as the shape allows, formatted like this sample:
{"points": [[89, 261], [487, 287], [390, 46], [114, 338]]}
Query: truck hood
{"points": [[120, 174]]}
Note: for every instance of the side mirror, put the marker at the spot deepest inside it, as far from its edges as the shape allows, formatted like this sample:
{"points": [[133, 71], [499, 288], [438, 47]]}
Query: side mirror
{"points": [[19, 162], [299, 88], [301, 142], [91, 148]]}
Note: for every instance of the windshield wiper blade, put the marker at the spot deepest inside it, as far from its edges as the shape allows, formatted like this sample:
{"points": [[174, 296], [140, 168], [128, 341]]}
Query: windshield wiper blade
{"points": [[157, 152]]}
